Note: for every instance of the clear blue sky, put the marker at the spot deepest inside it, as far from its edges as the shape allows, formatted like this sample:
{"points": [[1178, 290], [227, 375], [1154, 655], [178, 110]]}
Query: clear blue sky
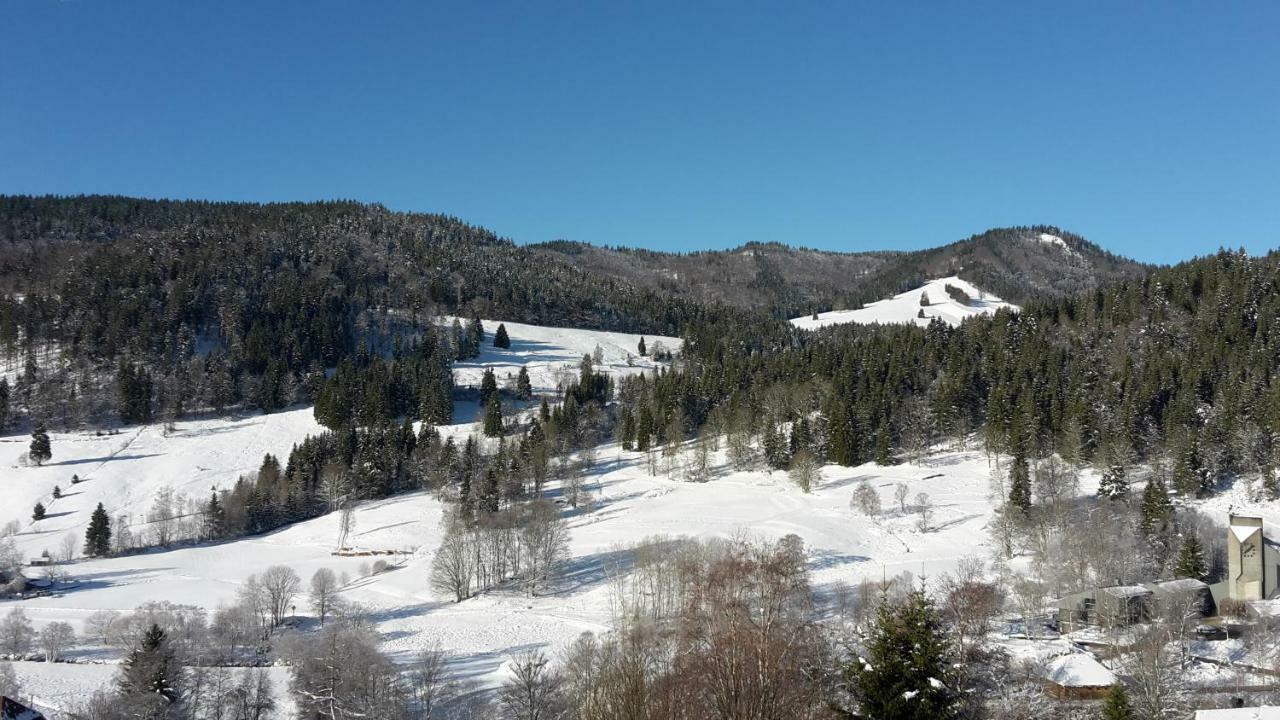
{"points": [[1151, 128]]}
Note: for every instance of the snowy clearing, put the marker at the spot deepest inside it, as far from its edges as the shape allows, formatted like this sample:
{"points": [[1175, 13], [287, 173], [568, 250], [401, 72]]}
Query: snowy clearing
{"points": [[905, 308]]}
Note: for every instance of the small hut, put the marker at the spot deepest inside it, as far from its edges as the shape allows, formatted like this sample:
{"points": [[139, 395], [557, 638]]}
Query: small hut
{"points": [[1078, 676]]}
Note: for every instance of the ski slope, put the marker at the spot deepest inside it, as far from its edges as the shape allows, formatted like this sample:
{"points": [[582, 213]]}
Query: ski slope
{"points": [[905, 308]]}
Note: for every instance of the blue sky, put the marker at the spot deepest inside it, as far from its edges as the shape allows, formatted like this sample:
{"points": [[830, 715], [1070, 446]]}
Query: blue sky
{"points": [[1151, 128]]}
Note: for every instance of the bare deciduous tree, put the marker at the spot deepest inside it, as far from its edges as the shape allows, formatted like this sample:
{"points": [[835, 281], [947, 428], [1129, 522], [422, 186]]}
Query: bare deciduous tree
{"points": [[924, 512], [280, 583], [15, 633], [866, 499], [532, 692], [453, 568], [55, 638], [324, 585]]}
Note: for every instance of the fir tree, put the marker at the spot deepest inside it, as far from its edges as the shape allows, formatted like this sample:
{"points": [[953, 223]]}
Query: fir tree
{"points": [[5, 410], [488, 386], [1156, 509], [149, 679], [40, 451], [1114, 483], [57, 492], [1020, 483], [215, 518], [491, 493], [500, 339], [1117, 705], [524, 388], [884, 446], [97, 538], [641, 348], [906, 673], [493, 417], [476, 332], [37, 513], [1190, 562]]}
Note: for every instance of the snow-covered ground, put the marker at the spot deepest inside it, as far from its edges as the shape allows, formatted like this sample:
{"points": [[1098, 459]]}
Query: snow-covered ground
{"points": [[552, 354], [124, 471], [54, 688], [905, 308], [629, 505]]}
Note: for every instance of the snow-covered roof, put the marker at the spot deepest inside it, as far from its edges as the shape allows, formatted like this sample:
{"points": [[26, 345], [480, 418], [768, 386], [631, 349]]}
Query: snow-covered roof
{"points": [[1266, 712], [1126, 591], [1079, 670], [1265, 608], [1181, 585], [1244, 532]]}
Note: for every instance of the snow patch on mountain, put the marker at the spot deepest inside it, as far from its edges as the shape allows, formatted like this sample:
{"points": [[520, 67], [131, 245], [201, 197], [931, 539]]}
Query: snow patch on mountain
{"points": [[921, 306]]}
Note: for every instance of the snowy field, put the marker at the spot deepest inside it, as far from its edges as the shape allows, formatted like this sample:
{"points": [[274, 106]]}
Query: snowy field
{"points": [[481, 634], [552, 354], [628, 506], [59, 687], [904, 309]]}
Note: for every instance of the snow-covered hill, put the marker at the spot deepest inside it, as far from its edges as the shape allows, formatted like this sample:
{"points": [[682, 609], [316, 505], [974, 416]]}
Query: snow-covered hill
{"points": [[552, 354], [906, 308], [124, 471], [629, 505]]}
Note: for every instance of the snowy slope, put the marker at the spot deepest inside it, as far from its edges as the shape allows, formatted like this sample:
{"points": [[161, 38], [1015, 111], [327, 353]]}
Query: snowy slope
{"points": [[124, 471], [552, 354], [905, 308], [484, 632]]}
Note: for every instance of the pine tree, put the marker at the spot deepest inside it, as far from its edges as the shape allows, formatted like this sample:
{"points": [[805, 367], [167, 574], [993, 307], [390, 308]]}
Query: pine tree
{"points": [[642, 349], [5, 409], [884, 446], [57, 492], [493, 417], [1117, 705], [40, 451], [1156, 509], [524, 388], [489, 499], [215, 518], [488, 386], [476, 339], [150, 675], [97, 538], [1020, 483], [644, 429], [906, 673], [37, 513], [500, 339], [1114, 484], [1190, 562]]}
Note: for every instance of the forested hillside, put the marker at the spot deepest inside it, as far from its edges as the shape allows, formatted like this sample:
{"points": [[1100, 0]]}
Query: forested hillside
{"points": [[1018, 264], [122, 309], [1177, 368]]}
